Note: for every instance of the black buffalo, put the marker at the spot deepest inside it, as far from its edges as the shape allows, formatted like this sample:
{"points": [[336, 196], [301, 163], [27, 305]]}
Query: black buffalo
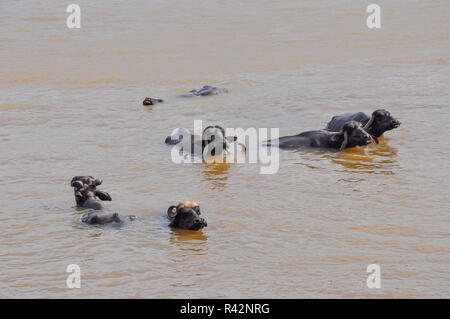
{"points": [[186, 215], [151, 101], [352, 134], [380, 122], [205, 91]]}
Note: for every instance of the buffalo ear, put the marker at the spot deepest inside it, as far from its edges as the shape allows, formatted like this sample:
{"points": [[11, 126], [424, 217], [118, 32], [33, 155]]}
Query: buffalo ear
{"points": [[103, 195], [172, 212]]}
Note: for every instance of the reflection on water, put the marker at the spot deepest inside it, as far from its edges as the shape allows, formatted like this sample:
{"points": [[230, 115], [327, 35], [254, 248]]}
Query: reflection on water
{"points": [[372, 159], [188, 240], [183, 235]]}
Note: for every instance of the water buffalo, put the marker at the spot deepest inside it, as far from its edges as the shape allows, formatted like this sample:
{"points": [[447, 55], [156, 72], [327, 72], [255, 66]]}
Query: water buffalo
{"points": [[352, 134], [86, 194], [380, 122], [151, 101], [186, 215], [205, 91], [212, 137]]}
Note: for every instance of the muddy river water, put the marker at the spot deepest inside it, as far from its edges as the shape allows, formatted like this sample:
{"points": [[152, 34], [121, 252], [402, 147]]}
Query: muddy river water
{"points": [[71, 104]]}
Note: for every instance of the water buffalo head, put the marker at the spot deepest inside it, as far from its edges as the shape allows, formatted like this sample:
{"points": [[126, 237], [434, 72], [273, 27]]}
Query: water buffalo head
{"points": [[101, 218], [186, 215]]}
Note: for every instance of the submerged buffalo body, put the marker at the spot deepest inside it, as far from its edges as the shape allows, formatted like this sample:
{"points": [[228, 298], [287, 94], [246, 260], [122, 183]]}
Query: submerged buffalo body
{"points": [[352, 134], [86, 194], [186, 215], [380, 122], [205, 91]]}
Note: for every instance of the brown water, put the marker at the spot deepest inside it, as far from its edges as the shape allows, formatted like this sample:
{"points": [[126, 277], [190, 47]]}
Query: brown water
{"points": [[70, 103]]}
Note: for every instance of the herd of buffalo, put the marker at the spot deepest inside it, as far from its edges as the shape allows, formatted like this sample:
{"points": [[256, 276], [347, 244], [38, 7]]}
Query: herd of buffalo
{"points": [[343, 131]]}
